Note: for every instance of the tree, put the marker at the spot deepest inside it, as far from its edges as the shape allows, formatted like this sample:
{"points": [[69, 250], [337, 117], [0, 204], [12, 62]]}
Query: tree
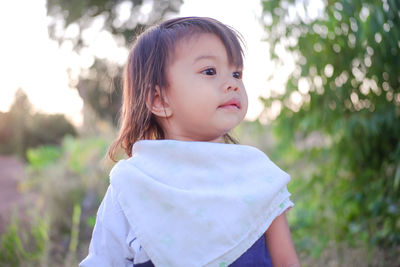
{"points": [[13, 125], [99, 85], [346, 89], [21, 128]]}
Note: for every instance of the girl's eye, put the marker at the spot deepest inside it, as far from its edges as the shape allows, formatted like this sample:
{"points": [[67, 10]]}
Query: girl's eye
{"points": [[209, 71], [237, 75]]}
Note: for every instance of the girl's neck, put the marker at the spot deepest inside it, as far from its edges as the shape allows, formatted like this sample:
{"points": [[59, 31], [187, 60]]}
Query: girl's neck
{"points": [[219, 139]]}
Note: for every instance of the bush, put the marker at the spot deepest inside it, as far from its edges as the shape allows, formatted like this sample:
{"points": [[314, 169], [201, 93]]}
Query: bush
{"points": [[21, 129], [343, 93], [22, 246], [69, 182]]}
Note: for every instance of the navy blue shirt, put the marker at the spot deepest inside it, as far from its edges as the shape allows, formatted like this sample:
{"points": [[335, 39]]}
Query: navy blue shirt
{"points": [[256, 256]]}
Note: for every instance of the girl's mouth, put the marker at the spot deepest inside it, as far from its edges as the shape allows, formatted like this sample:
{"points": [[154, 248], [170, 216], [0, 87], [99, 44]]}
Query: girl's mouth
{"points": [[233, 103]]}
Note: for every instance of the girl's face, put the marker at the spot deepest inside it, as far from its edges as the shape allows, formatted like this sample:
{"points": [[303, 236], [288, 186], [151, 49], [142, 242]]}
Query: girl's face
{"points": [[206, 96]]}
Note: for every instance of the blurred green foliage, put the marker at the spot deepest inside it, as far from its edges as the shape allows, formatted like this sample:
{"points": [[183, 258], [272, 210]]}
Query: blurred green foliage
{"points": [[22, 246], [122, 18], [68, 183], [339, 125], [21, 128], [43, 156]]}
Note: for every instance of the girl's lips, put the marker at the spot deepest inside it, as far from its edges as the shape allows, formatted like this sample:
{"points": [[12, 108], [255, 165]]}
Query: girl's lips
{"points": [[232, 103]]}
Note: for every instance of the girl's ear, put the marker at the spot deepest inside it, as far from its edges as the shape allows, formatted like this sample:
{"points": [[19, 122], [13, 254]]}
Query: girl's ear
{"points": [[159, 106]]}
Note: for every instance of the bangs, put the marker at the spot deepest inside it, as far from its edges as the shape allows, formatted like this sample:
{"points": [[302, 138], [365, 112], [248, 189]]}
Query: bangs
{"points": [[181, 28]]}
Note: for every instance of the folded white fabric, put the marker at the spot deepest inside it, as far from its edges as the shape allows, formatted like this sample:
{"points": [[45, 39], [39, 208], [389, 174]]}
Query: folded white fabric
{"points": [[198, 203]]}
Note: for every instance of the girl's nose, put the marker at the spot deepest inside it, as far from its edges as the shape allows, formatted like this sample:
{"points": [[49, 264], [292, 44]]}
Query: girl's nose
{"points": [[231, 85]]}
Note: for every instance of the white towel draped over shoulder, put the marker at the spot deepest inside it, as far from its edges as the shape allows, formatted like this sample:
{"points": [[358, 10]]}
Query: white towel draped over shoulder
{"points": [[198, 203]]}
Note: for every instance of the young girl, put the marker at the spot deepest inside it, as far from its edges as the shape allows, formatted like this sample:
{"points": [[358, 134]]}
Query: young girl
{"points": [[188, 195]]}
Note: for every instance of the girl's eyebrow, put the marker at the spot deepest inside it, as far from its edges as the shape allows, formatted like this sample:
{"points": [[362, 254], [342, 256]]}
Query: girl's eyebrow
{"points": [[204, 57]]}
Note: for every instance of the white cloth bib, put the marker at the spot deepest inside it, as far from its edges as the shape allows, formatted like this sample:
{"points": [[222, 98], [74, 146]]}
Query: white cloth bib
{"points": [[198, 203]]}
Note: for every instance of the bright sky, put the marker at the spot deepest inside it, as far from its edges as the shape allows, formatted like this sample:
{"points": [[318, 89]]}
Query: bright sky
{"points": [[33, 62]]}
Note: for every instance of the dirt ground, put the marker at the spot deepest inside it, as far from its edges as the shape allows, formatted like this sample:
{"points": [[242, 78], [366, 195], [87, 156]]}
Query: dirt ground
{"points": [[11, 173]]}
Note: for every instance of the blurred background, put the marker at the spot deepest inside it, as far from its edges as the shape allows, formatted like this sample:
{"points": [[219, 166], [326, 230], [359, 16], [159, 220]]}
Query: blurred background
{"points": [[323, 79]]}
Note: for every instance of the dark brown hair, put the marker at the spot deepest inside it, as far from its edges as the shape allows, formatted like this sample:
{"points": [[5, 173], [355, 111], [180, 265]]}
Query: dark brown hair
{"points": [[146, 69]]}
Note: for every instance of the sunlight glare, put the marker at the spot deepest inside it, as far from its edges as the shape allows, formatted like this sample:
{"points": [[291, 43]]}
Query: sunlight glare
{"points": [[34, 63]]}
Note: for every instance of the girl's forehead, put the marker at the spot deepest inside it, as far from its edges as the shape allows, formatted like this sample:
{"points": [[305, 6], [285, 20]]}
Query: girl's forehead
{"points": [[203, 41], [191, 39], [198, 43]]}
